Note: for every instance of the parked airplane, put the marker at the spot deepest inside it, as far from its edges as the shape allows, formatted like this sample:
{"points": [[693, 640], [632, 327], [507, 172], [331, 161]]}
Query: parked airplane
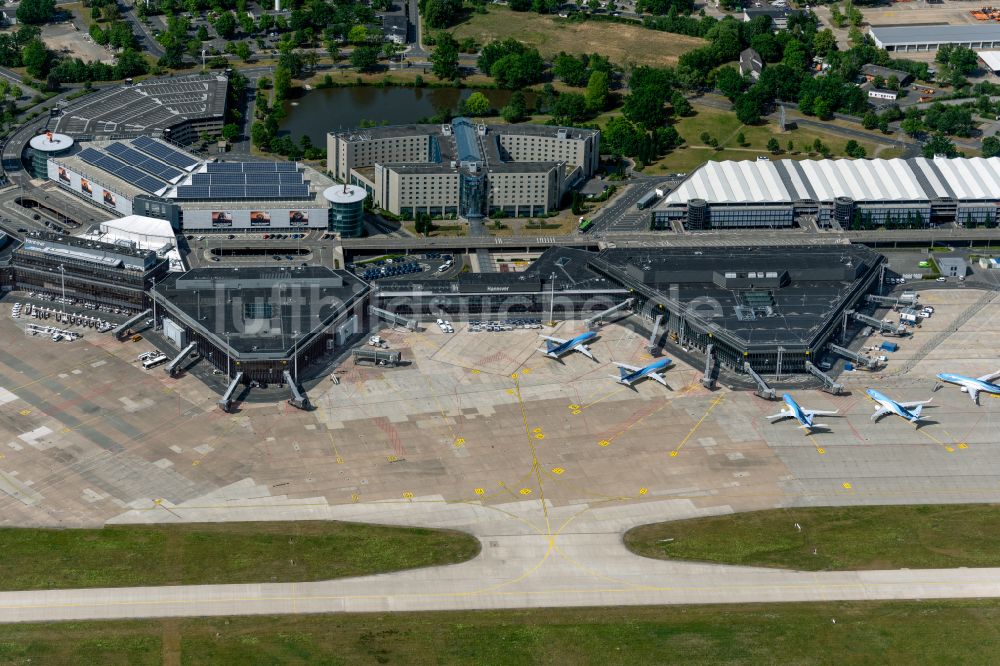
{"points": [[972, 386], [907, 410], [555, 347], [804, 416], [630, 374]]}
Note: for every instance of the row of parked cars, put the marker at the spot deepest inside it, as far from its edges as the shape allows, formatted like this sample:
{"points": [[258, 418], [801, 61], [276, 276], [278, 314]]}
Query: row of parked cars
{"points": [[391, 269], [476, 326]]}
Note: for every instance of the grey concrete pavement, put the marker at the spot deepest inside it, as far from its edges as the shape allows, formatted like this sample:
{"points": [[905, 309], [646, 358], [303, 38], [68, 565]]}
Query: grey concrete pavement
{"points": [[531, 557]]}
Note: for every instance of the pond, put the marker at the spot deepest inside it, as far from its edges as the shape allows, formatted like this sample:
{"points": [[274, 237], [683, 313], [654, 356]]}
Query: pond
{"points": [[327, 109]]}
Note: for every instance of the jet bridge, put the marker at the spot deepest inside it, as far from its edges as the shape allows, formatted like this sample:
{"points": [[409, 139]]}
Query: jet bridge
{"points": [[711, 367], [226, 401], [764, 390], [878, 324], [593, 322], [394, 319], [298, 399], [119, 332], [860, 359], [651, 345], [829, 385], [175, 364]]}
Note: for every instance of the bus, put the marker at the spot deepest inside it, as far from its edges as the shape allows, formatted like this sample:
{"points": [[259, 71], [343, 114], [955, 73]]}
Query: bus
{"points": [[585, 225], [154, 361]]}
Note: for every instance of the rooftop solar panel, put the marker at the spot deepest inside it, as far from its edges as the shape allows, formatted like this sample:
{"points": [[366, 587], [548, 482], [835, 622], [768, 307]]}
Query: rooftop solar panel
{"points": [[192, 192], [122, 170], [141, 161], [163, 152]]}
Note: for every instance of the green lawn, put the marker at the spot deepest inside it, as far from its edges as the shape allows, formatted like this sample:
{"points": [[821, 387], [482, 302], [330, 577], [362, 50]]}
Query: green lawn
{"points": [[926, 632], [190, 554], [724, 127], [833, 538]]}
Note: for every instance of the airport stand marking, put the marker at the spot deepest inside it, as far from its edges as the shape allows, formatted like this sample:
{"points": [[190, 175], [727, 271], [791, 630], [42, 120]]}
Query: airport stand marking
{"points": [[475, 371], [459, 442], [847, 485], [355, 497], [963, 445], [558, 470], [604, 442], [643, 491], [391, 458], [820, 450], [24, 412], [536, 430], [525, 491], [674, 454], [576, 411], [539, 436], [195, 463], [575, 408], [407, 495], [480, 491]]}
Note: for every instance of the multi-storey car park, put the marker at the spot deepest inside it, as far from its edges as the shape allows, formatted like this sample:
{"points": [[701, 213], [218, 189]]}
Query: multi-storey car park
{"points": [[766, 193], [461, 169], [152, 178]]}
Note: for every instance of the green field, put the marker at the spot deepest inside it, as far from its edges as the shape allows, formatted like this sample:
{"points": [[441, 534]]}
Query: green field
{"points": [[550, 35], [724, 127], [833, 538], [191, 554], [926, 632]]}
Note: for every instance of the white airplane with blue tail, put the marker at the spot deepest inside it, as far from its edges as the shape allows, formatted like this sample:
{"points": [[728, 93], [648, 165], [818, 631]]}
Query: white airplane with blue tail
{"points": [[906, 410], [802, 415], [630, 374], [556, 347], [972, 386]]}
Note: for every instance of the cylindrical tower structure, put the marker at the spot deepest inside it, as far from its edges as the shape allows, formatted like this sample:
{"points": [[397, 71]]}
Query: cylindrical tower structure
{"points": [[697, 214], [843, 210], [347, 209], [44, 146]]}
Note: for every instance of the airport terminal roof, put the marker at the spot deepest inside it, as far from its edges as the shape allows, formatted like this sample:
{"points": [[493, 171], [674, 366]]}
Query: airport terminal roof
{"points": [[262, 308], [785, 181], [147, 107], [935, 34]]}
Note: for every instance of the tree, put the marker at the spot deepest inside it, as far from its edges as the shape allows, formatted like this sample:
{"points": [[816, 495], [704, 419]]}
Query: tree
{"points": [[477, 104], [242, 51], [569, 108], [225, 25], [516, 108], [571, 69], [365, 58], [230, 131], [869, 121], [518, 70], [35, 12], [681, 106], [748, 107], [790, 147], [36, 58], [423, 224], [440, 13], [597, 91], [912, 124], [824, 42], [939, 144], [358, 35], [854, 149], [772, 146], [795, 55], [645, 107], [282, 82], [741, 140], [260, 135], [729, 82], [991, 146], [444, 59]]}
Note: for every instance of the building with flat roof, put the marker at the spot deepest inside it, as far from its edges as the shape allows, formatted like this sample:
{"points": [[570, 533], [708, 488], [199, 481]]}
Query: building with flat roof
{"points": [[774, 193], [779, 15], [871, 72], [116, 274], [463, 169], [762, 305], [153, 178], [261, 321], [990, 61], [930, 37]]}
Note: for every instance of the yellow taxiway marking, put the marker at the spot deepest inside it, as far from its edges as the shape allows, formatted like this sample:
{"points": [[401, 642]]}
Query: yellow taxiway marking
{"points": [[819, 449], [694, 428], [339, 459], [576, 409]]}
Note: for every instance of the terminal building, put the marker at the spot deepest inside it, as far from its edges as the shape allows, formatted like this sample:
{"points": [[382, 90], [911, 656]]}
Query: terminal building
{"points": [[776, 194], [774, 307], [461, 169], [262, 321], [153, 178], [119, 275]]}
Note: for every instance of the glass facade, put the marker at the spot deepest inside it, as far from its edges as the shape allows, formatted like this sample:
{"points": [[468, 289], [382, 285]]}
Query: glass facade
{"points": [[347, 219], [472, 195]]}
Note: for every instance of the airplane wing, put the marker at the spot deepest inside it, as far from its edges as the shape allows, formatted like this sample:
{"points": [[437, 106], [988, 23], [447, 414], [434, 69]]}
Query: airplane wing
{"points": [[911, 405], [585, 350], [783, 414], [820, 412], [551, 339], [973, 393], [630, 368], [880, 412], [658, 377], [990, 377]]}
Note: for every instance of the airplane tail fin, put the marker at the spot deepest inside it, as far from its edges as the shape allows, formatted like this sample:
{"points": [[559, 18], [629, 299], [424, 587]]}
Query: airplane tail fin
{"points": [[622, 372], [916, 413], [549, 345]]}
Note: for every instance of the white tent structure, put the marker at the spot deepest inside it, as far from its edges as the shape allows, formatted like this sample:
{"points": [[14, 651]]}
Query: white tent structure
{"points": [[146, 233]]}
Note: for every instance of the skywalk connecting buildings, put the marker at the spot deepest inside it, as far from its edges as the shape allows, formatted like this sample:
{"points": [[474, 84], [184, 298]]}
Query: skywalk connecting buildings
{"points": [[776, 193]]}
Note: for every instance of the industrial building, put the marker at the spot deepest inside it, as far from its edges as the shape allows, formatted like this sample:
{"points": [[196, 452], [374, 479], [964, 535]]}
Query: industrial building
{"points": [[872, 72], [153, 178], [774, 307], [462, 169], [118, 275], [258, 322], [776, 194], [904, 39], [990, 60]]}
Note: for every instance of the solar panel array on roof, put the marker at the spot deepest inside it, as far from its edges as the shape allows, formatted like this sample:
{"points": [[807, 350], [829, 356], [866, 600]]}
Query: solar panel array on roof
{"points": [[253, 191], [241, 167], [262, 178], [119, 169], [141, 161], [163, 152]]}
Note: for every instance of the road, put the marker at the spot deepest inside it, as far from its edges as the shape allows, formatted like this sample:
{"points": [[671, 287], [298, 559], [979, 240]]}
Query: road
{"points": [[560, 556]]}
